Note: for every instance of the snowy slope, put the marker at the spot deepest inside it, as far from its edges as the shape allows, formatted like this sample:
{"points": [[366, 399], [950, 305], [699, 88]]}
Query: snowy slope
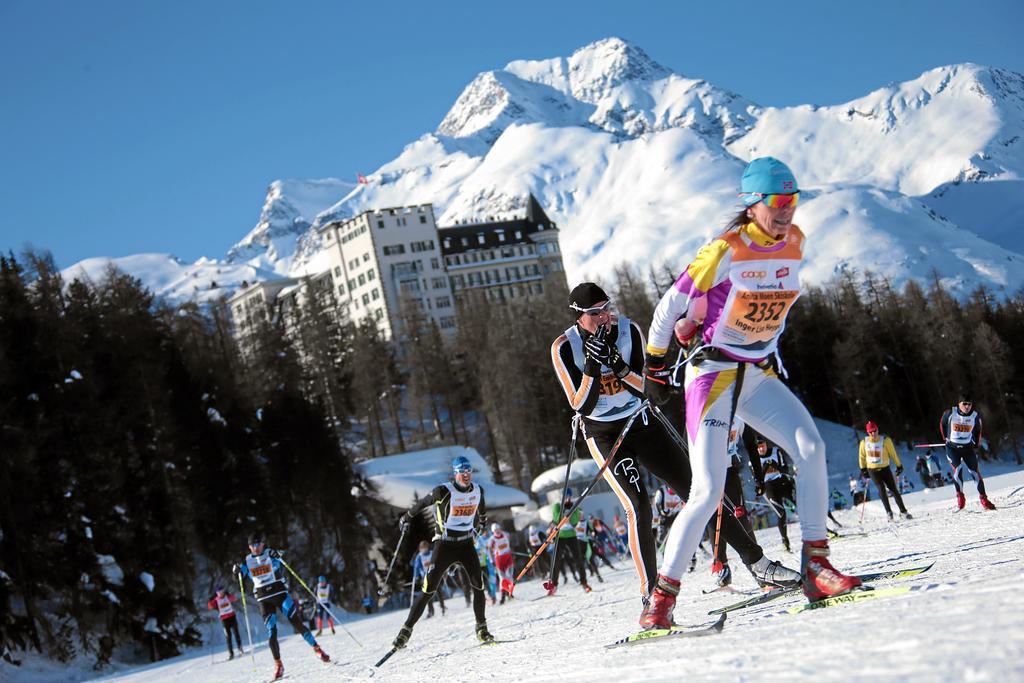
{"points": [[638, 163], [288, 211], [166, 276], [967, 626]]}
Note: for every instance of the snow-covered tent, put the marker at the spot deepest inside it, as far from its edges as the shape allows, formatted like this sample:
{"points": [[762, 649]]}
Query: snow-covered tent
{"points": [[401, 479]]}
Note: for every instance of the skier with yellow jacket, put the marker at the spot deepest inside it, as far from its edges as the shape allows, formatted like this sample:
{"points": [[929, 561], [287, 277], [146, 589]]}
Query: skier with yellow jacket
{"points": [[875, 453]]}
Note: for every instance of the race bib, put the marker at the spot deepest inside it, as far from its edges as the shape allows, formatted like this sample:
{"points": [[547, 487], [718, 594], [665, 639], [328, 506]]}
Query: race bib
{"points": [[610, 385], [757, 316]]}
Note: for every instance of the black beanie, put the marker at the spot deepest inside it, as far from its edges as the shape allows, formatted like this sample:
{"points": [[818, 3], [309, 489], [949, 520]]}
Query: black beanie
{"points": [[585, 295]]}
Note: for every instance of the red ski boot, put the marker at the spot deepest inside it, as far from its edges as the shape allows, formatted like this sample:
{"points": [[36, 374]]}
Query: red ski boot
{"points": [[820, 578], [321, 654], [658, 612], [279, 671], [960, 501], [986, 503]]}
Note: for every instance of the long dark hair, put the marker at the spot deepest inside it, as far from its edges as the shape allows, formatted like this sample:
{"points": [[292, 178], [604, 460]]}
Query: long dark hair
{"points": [[738, 221]]}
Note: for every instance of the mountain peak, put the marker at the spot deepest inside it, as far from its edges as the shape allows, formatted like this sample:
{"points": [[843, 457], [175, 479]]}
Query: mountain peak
{"points": [[558, 91], [597, 68]]}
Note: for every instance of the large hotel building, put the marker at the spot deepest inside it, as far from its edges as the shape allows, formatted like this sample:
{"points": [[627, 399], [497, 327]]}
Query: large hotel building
{"points": [[385, 260]]}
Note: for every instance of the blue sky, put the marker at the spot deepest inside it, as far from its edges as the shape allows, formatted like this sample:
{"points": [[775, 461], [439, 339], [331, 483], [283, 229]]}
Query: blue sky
{"points": [[130, 127]]}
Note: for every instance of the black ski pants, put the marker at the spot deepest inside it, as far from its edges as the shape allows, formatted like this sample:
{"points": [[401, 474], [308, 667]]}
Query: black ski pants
{"points": [[959, 456], [882, 476], [445, 554], [649, 446], [778, 491], [571, 546], [230, 625]]}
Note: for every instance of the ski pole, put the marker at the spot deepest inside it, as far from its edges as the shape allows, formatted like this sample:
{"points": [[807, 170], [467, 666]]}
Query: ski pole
{"points": [[600, 473], [565, 487], [316, 600], [382, 591], [929, 445], [718, 534], [245, 611]]}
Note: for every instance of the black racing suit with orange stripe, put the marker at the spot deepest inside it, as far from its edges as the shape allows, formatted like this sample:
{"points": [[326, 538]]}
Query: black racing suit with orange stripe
{"points": [[646, 445]]}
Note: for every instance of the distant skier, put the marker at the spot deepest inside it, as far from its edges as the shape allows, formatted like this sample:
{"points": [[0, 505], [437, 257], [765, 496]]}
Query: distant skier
{"points": [[568, 545], [668, 503], [772, 480], [874, 453], [960, 427], [459, 509], [499, 547], [621, 534], [228, 621], [421, 565], [601, 539], [264, 568], [541, 566], [323, 605], [838, 500]]}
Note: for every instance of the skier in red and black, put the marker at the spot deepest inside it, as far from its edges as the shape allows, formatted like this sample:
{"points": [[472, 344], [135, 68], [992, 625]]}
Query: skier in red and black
{"points": [[459, 510], [222, 603], [960, 427], [599, 362], [265, 569]]}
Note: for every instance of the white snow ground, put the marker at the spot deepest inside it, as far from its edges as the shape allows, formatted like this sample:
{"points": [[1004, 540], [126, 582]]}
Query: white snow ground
{"points": [[968, 627]]}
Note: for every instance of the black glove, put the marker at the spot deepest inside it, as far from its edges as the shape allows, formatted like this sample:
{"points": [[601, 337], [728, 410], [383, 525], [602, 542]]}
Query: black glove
{"points": [[899, 470], [273, 553], [657, 376], [597, 347], [759, 488], [864, 472], [236, 571], [404, 523], [592, 365]]}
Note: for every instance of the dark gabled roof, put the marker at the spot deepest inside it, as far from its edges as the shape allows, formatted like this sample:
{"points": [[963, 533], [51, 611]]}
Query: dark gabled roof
{"points": [[453, 235]]}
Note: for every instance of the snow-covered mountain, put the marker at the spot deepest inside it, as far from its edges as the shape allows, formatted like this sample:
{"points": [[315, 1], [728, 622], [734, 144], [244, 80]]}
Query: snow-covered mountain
{"points": [[639, 163]]}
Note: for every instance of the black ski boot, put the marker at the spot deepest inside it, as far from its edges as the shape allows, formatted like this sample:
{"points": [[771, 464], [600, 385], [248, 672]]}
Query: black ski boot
{"points": [[402, 638], [482, 634]]}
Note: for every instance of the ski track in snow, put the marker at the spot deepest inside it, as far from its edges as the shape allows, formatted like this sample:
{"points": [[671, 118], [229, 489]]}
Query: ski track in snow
{"points": [[966, 626]]}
